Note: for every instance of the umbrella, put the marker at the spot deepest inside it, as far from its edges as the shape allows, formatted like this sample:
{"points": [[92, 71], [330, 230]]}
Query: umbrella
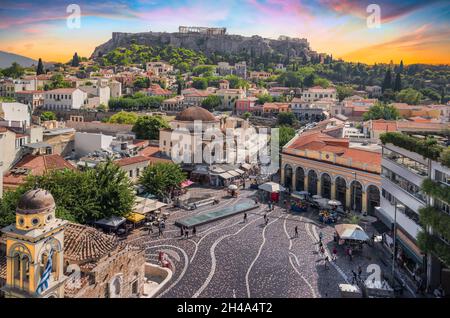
{"points": [[233, 187], [316, 197], [302, 192], [186, 183], [334, 202], [271, 187], [351, 232]]}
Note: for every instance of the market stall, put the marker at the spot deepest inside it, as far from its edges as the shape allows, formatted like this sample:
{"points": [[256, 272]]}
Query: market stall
{"points": [[351, 234], [299, 201], [272, 191]]}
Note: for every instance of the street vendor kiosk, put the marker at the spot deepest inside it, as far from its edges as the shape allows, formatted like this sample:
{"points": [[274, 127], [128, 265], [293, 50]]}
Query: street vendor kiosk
{"points": [[299, 201]]}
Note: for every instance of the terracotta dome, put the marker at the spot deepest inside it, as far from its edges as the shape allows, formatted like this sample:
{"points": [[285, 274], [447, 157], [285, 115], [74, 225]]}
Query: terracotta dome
{"points": [[35, 201], [195, 113]]}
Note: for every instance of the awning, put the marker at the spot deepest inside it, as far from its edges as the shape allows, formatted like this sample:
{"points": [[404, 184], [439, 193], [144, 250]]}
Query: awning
{"points": [[143, 205], [135, 217], [38, 145], [233, 173], [271, 187], [112, 222], [410, 249], [225, 175], [239, 171], [351, 232], [246, 166]]}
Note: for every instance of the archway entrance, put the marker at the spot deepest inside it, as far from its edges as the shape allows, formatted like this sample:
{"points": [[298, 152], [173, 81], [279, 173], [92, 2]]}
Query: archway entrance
{"points": [[325, 183], [356, 197], [341, 190], [288, 176], [373, 199], [300, 179], [312, 182]]}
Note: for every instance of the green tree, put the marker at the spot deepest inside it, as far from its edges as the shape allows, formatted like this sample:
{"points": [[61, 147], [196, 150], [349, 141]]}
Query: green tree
{"points": [[102, 108], [14, 71], [237, 82], [381, 111], [344, 91], [40, 67], [162, 179], [264, 98], [387, 82], [211, 102], [80, 196], [309, 80], [57, 81], [147, 127], [141, 82], [409, 96], [285, 135], [247, 115], [48, 115], [75, 60], [398, 83], [286, 119], [200, 83], [122, 117]]}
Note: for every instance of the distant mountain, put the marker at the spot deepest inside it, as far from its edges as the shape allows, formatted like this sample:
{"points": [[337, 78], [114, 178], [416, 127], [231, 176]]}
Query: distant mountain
{"points": [[6, 59]]}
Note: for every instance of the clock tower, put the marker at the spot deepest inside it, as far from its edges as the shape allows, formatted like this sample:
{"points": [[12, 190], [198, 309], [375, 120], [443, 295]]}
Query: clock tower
{"points": [[35, 249]]}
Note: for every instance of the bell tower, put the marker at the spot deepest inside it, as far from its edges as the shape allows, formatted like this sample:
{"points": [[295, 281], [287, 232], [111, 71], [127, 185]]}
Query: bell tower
{"points": [[35, 249]]}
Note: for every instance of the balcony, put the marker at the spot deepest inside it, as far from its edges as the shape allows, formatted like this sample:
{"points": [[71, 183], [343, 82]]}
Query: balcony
{"points": [[406, 223], [402, 195]]}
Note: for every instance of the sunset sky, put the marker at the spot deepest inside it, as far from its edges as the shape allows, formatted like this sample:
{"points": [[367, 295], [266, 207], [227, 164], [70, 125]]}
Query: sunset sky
{"points": [[415, 31]]}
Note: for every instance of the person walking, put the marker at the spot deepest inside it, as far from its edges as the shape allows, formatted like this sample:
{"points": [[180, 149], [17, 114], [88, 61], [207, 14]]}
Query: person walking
{"points": [[322, 250], [320, 236], [194, 231], [350, 253], [359, 272], [186, 234], [354, 278], [182, 231], [150, 229], [245, 217], [265, 216], [267, 221], [326, 262], [334, 253], [296, 231], [160, 231], [335, 237]]}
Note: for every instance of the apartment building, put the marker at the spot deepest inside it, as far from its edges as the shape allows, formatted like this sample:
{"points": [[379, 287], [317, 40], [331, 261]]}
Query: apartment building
{"points": [[405, 202]]}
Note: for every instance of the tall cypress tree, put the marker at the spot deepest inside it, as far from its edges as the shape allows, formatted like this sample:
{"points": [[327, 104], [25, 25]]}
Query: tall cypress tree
{"points": [[75, 60], [40, 67], [387, 82], [398, 83], [401, 67]]}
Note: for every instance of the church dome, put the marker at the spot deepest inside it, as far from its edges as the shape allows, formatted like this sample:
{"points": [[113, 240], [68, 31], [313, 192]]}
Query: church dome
{"points": [[35, 201], [195, 113]]}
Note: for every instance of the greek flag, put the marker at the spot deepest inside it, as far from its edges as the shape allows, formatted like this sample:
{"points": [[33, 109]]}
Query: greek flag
{"points": [[43, 282]]}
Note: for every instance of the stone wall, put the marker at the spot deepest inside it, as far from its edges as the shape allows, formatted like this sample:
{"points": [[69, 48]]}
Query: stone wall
{"points": [[99, 127], [129, 263]]}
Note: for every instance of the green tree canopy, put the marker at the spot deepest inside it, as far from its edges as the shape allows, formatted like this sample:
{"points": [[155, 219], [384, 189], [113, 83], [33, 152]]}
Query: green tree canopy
{"points": [[285, 135], [124, 117], [286, 119], [264, 98], [162, 179], [14, 71], [211, 102], [344, 91], [200, 83], [147, 127], [80, 196], [48, 115], [409, 96], [381, 111]]}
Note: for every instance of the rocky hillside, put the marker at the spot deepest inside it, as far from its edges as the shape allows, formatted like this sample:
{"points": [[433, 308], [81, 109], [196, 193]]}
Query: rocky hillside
{"points": [[253, 47]]}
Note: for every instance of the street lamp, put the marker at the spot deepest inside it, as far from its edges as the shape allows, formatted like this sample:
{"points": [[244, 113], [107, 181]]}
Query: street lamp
{"points": [[396, 206]]}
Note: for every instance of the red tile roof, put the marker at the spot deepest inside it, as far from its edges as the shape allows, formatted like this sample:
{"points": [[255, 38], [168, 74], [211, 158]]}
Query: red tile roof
{"points": [[131, 160], [37, 165], [153, 154], [318, 141], [384, 125]]}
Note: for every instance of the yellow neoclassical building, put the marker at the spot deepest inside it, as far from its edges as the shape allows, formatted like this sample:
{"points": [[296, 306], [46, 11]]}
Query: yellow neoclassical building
{"points": [[322, 164], [35, 236]]}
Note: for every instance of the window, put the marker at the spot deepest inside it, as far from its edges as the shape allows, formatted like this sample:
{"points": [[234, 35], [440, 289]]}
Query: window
{"points": [[409, 187], [442, 177], [406, 162], [130, 173]]}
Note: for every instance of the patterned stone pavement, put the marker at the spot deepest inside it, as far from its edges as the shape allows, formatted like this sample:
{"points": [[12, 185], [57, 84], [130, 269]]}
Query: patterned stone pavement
{"points": [[230, 258]]}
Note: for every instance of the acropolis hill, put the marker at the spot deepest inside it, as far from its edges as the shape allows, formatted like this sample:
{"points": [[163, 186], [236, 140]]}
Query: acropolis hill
{"points": [[209, 41]]}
